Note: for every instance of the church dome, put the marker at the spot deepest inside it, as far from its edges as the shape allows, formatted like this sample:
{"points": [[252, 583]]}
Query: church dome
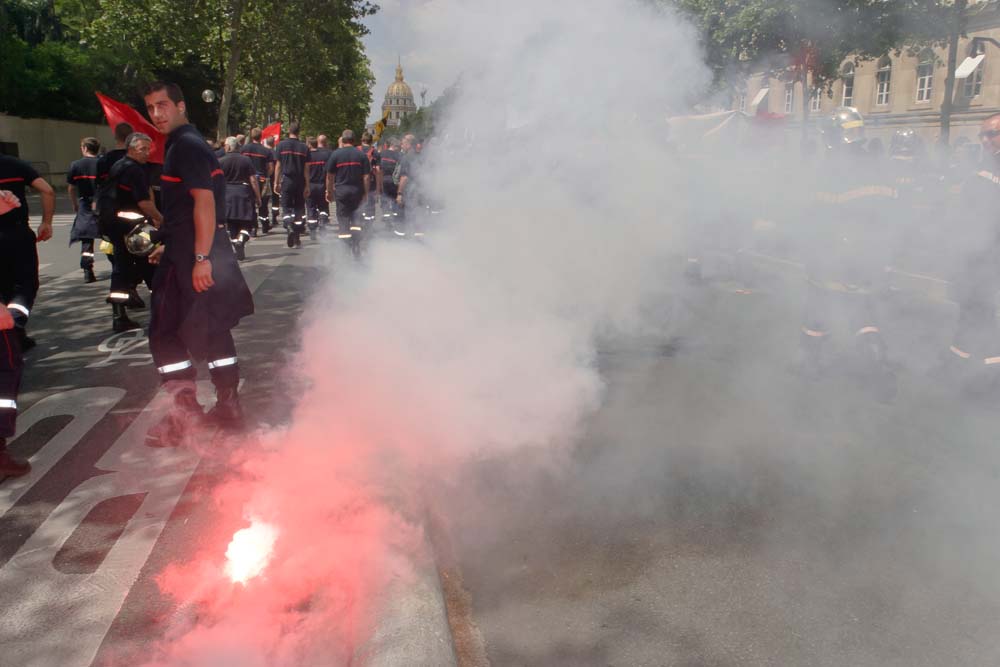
{"points": [[399, 88]]}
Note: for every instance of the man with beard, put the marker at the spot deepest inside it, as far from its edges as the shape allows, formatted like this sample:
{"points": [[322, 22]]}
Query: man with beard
{"points": [[125, 199], [199, 292], [81, 182], [290, 181], [317, 208], [262, 159], [347, 184]]}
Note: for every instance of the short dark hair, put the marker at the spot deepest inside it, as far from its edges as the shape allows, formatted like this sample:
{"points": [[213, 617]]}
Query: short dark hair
{"points": [[91, 144], [312, 142], [122, 130], [366, 137], [255, 134], [293, 127], [174, 91]]}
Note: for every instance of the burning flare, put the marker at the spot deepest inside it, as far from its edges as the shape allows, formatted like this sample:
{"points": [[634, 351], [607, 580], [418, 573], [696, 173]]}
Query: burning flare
{"points": [[250, 551]]}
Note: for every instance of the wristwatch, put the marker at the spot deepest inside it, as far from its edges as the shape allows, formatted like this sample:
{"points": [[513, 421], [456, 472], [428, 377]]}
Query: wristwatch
{"points": [[200, 258]]}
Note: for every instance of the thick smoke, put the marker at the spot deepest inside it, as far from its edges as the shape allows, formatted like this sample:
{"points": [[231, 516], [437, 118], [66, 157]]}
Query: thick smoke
{"points": [[477, 354]]}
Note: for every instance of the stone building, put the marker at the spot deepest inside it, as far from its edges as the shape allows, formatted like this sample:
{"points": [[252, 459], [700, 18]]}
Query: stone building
{"points": [[398, 100], [898, 91]]}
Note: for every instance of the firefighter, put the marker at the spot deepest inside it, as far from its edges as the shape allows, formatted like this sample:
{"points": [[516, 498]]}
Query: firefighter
{"points": [[388, 160], [262, 158], [374, 179], [106, 161], [290, 182], [275, 199], [81, 183], [974, 353], [199, 292], [317, 208], [242, 196], [125, 199], [846, 266], [19, 266], [347, 187], [18, 287]]}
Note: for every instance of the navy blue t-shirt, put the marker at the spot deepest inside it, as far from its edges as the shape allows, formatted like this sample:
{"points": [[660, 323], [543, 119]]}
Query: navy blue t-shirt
{"points": [[190, 164], [16, 175], [349, 167]]}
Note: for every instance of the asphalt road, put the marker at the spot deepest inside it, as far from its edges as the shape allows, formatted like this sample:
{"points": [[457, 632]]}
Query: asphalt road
{"points": [[717, 510]]}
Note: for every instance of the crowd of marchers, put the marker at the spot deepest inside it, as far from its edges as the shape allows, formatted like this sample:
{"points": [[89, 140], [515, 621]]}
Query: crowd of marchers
{"points": [[856, 214], [182, 227]]}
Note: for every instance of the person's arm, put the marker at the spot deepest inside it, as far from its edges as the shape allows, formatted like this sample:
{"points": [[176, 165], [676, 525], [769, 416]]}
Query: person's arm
{"points": [[403, 180], [48, 196], [330, 185], [256, 189], [277, 176], [204, 233], [71, 190], [307, 178], [148, 209]]}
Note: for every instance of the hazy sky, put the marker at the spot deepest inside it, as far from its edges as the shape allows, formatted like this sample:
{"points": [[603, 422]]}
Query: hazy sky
{"points": [[392, 35]]}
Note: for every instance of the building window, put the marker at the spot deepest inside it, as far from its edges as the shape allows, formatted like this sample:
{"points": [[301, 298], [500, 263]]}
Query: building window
{"points": [[883, 82], [789, 97], [816, 101], [973, 85], [925, 79], [848, 75]]}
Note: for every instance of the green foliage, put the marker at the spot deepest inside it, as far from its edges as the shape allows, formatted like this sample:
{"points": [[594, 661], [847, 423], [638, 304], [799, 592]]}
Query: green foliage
{"points": [[293, 59]]}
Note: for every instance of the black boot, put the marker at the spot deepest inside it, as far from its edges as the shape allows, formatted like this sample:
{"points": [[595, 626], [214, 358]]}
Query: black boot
{"points": [[27, 342], [88, 275], [9, 466], [135, 302], [184, 416], [227, 412], [121, 321]]}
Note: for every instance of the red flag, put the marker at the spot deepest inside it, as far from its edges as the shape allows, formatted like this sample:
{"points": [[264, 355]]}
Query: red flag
{"points": [[117, 112], [272, 130]]}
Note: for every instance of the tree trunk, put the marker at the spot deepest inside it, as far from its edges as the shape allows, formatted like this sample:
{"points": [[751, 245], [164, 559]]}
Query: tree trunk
{"points": [[235, 49], [954, 33]]}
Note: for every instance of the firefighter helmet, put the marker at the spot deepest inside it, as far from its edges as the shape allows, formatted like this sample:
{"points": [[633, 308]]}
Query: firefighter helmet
{"points": [[843, 126], [141, 240]]}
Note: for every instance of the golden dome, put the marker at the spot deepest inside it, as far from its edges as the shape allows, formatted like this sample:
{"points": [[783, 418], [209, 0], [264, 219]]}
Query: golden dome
{"points": [[399, 88]]}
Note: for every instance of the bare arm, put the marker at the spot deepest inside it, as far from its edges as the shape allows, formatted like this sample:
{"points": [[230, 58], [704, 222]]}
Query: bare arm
{"points": [[330, 184], [256, 189], [148, 209], [277, 176], [48, 207], [204, 233], [71, 190]]}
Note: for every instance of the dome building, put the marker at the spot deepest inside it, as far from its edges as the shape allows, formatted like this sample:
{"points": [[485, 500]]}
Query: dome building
{"points": [[398, 100]]}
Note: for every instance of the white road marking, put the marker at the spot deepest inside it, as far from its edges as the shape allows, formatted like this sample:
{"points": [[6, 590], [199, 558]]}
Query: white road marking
{"points": [[87, 406], [53, 619]]}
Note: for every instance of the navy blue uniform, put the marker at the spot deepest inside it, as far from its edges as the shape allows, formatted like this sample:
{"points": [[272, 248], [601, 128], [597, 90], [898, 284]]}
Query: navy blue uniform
{"points": [[18, 284], [349, 167], [262, 159], [131, 186], [82, 175], [291, 155], [317, 208], [187, 325]]}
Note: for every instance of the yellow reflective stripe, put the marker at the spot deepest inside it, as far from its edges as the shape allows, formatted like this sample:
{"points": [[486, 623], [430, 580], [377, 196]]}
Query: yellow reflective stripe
{"points": [[961, 353], [813, 332], [851, 124], [989, 361], [867, 330]]}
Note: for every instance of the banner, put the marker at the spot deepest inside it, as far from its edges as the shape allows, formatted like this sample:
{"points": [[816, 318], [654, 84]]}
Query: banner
{"points": [[118, 112], [272, 130], [380, 126]]}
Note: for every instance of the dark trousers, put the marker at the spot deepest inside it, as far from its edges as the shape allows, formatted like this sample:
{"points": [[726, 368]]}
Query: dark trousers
{"points": [[18, 288], [236, 226], [976, 331], [87, 253], [128, 270], [171, 355], [347, 212], [292, 202], [317, 207]]}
